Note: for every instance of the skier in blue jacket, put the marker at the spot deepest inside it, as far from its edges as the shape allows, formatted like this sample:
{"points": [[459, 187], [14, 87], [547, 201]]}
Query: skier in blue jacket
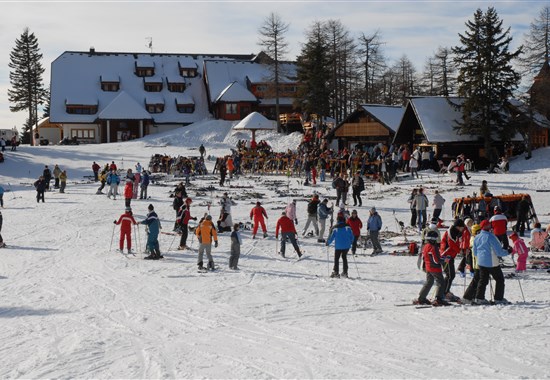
{"points": [[487, 249], [153, 227], [342, 236]]}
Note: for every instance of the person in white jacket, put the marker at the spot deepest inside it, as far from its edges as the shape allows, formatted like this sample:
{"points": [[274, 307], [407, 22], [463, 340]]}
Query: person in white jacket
{"points": [[437, 204], [291, 211]]}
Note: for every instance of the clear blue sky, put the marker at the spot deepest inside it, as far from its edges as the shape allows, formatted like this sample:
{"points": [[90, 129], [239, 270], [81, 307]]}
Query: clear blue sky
{"points": [[414, 28]]}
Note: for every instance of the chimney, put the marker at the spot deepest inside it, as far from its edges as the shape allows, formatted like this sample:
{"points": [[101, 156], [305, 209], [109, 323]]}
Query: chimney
{"points": [[92, 50]]}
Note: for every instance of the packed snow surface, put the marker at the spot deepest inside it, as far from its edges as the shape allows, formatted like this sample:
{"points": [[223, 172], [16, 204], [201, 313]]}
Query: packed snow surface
{"points": [[72, 307]]}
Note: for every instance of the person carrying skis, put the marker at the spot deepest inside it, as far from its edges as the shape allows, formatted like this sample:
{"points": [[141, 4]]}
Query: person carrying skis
{"points": [[288, 231], [206, 232], [374, 225], [522, 251], [355, 224], [40, 186], [449, 248], [182, 220], [312, 215], [126, 221], [432, 263], [236, 242], [487, 249], [152, 222], [323, 212], [291, 211], [128, 192], [342, 236], [257, 215]]}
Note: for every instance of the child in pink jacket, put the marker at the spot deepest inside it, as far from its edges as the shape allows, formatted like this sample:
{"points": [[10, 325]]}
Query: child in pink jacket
{"points": [[521, 249]]}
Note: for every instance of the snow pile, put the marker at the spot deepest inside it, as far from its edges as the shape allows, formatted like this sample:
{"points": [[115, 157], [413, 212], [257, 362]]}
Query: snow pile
{"points": [[72, 307]]}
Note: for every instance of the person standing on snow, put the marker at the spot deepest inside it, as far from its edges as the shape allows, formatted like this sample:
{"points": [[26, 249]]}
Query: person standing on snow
{"points": [[355, 224], [56, 173], [182, 220], [40, 186], [95, 169], [291, 211], [206, 232], [225, 221], [522, 251], [499, 223], [342, 236], [126, 221], [47, 175], [412, 206], [357, 186], [202, 150], [449, 247], [138, 168], [257, 215], [434, 273], [323, 212], [236, 242], [288, 231], [312, 215], [437, 204], [128, 192], [374, 225], [144, 184], [152, 222], [421, 205], [487, 249], [339, 183], [1, 196], [113, 180], [62, 181]]}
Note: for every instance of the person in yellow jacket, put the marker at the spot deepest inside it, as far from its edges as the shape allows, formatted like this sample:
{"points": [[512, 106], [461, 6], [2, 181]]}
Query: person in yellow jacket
{"points": [[206, 232]]}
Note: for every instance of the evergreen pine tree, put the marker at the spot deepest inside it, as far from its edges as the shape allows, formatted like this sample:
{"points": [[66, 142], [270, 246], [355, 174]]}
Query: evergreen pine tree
{"points": [[313, 72], [486, 79], [27, 91]]}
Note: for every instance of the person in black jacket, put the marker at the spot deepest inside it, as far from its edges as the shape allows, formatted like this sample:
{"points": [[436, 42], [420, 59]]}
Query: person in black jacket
{"points": [[312, 215], [40, 185], [357, 186], [522, 211], [47, 175]]}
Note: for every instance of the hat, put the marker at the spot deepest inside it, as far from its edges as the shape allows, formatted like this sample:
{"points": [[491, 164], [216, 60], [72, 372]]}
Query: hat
{"points": [[484, 224], [150, 207], [497, 209], [475, 229], [432, 235], [283, 213], [208, 217], [258, 203], [294, 201], [340, 218], [468, 221], [373, 209], [128, 209], [459, 223], [225, 194], [188, 200], [513, 236], [316, 196], [325, 200]]}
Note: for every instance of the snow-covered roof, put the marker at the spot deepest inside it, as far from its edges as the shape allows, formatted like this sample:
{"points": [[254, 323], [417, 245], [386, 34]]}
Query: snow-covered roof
{"points": [[184, 99], [538, 118], [187, 63], [153, 79], [223, 72], [390, 116], [256, 121], [75, 78], [124, 107], [438, 116], [109, 77], [174, 78], [154, 98], [235, 92]]}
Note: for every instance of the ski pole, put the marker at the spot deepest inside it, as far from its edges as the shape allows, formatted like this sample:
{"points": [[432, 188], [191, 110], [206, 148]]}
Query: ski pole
{"points": [[11, 191], [172, 243], [491, 287], [519, 282], [328, 263], [356, 267], [112, 237], [277, 246]]}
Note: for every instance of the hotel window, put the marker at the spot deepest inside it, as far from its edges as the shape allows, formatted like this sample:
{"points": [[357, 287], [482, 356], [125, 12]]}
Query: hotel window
{"points": [[185, 108], [152, 87], [188, 72], [83, 133], [81, 109], [155, 108], [231, 108], [145, 71], [176, 87], [110, 86]]}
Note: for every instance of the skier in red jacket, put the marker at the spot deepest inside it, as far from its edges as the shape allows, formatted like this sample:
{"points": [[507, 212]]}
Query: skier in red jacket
{"points": [[356, 224], [288, 231], [449, 247], [257, 214], [128, 192], [126, 221]]}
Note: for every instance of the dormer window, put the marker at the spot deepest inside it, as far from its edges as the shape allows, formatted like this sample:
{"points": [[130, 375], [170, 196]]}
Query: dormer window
{"points": [[81, 106], [187, 67], [185, 104], [110, 83], [154, 104], [144, 68], [176, 87], [152, 84]]}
